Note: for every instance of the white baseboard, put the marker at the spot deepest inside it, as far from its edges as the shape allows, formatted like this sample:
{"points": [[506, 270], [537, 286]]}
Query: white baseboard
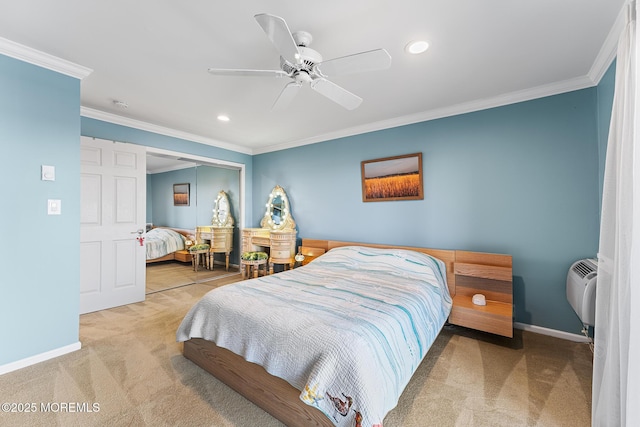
{"points": [[551, 332], [23, 363]]}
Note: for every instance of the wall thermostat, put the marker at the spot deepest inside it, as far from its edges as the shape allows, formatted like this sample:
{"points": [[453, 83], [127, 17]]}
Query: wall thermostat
{"points": [[48, 173]]}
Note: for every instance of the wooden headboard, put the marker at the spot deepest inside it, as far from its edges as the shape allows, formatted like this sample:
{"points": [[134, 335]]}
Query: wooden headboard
{"points": [[467, 273]]}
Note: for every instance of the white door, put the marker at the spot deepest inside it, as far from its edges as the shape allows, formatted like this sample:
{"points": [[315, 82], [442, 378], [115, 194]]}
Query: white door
{"points": [[112, 222]]}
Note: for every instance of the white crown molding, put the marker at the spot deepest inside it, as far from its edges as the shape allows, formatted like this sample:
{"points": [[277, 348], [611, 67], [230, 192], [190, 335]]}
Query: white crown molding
{"points": [[138, 124], [41, 59], [609, 48], [454, 110]]}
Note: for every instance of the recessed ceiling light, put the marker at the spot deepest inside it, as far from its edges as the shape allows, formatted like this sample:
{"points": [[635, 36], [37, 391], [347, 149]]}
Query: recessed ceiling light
{"points": [[416, 47], [223, 118]]}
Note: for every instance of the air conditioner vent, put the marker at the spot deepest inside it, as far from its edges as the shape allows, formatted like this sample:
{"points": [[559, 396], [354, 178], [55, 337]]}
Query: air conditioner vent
{"points": [[582, 279], [582, 269]]}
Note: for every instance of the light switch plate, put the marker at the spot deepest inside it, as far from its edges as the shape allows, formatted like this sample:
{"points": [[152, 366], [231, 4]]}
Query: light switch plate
{"points": [[54, 207], [48, 173]]}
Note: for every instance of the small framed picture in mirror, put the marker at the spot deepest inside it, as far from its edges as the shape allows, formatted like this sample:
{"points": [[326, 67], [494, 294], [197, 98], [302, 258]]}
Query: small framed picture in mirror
{"points": [[181, 194]]}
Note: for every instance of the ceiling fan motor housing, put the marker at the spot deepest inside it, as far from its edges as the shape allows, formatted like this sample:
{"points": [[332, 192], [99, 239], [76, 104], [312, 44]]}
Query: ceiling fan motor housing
{"points": [[308, 58]]}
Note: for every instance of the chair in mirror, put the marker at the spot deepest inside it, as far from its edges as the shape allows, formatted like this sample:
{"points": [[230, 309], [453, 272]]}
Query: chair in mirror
{"points": [[277, 232], [219, 235]]}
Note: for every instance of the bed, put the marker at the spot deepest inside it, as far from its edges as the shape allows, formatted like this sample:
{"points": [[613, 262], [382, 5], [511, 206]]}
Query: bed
{"points": [[165, 244], [334, 342]]}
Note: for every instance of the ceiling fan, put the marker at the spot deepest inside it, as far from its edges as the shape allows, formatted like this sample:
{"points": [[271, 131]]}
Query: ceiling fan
{"points": [[305, 65]]}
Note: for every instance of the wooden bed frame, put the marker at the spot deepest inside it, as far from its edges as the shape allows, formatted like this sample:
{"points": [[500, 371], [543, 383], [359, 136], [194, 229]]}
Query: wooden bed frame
{"points": [[189, 234], [282, 401]]}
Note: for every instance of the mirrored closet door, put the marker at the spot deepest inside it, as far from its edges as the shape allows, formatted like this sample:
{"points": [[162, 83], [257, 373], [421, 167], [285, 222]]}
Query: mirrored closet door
{"points": [[181, 197]]}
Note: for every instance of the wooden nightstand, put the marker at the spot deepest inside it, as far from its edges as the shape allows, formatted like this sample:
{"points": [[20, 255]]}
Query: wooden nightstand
{"points": [[183, 256], [310, 253], [494, 280]]}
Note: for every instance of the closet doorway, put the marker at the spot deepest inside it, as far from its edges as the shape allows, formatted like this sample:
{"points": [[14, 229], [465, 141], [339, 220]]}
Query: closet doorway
{"points": [[204, 178]]}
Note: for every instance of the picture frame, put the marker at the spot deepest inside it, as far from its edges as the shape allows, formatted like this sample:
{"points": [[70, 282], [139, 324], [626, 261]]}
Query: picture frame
{"points": [[392, 178], [181, 194]]}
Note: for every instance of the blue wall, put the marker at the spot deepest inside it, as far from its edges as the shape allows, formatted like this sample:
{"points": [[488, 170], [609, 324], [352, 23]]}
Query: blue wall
{"points": [[40, 274], [165, 214], [521, 179]]}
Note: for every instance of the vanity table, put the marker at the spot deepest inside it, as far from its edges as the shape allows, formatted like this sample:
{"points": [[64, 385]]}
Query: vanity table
{"points": [[219, 235], [277, 232]]}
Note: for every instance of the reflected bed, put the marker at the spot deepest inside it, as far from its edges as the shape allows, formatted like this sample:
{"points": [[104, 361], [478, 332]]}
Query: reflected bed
{"points": [[162, 243]]}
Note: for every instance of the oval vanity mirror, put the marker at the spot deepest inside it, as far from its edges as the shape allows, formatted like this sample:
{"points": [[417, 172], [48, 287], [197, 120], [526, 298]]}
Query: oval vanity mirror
{"points": [[277, 215], [222, 211]]}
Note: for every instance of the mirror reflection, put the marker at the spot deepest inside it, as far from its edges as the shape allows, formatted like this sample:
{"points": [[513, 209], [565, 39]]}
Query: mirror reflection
{"points": [[221, 211], [177, 269], [276, 210]]}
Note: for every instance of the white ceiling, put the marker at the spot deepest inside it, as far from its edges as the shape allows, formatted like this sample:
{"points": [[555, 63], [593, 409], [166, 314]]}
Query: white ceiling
{"points": [[157, 163], [154, 55]]}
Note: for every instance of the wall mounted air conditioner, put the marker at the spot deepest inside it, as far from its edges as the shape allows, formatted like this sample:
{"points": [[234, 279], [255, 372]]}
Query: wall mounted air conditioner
{"points": [[581, 289]]}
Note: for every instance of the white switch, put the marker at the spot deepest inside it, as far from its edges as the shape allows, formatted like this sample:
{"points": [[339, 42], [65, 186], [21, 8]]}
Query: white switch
{"points": [[54, 207], [48, 173]]}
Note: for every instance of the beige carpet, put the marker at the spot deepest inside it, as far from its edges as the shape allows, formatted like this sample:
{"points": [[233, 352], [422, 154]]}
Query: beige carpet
{"points": [[130, 372]]}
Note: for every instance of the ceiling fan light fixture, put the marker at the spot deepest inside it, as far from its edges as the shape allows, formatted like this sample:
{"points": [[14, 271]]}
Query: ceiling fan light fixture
{"points": [[416, 47]]}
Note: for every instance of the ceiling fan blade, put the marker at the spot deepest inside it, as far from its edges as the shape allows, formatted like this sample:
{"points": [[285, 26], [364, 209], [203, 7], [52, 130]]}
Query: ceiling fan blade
{"points": [[251, 73], [288, 93], [278, 32], [377, 59], [335, 93]]}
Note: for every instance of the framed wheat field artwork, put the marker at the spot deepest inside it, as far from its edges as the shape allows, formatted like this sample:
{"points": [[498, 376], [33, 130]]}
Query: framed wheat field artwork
{"points": [[392, 178], [181, 194]]}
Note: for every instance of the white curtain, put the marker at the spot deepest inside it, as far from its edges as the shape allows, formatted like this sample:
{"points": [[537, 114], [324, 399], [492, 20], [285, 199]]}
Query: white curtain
{"points": [[616, 372]]}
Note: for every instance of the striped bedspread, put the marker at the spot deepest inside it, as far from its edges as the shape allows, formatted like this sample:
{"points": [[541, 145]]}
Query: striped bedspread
{"points": [[348, 330], [163, 241]]}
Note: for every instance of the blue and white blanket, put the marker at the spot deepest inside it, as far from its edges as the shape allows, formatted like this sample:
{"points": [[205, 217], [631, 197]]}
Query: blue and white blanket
{"points": [[163, 241], [349, 329]]}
